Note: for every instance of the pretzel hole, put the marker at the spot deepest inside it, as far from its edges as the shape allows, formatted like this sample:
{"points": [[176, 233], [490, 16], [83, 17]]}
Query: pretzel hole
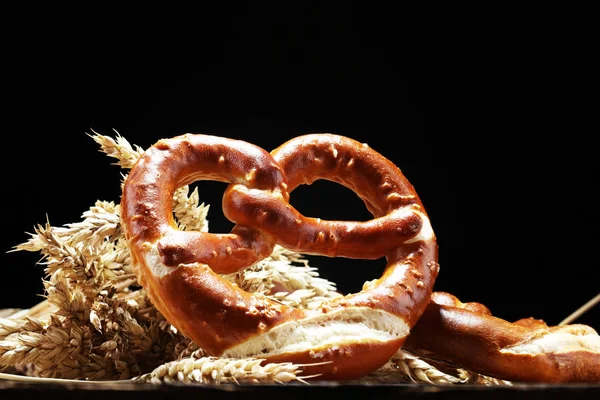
{"points": [[330, 200], [211, 194]]}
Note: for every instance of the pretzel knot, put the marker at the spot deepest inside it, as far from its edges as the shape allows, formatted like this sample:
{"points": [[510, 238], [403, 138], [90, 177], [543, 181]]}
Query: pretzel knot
{"points": [[346, 337]]}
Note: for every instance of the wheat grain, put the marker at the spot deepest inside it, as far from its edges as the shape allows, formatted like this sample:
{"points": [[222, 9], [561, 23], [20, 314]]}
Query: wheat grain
{"points": [[216, 370], [418, 370], [188, 214], [118, 148], [303, 286]]}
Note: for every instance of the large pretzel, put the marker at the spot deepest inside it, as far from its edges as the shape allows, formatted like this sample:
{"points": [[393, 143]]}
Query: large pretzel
{"points": [[347, 337], [528, 350]]}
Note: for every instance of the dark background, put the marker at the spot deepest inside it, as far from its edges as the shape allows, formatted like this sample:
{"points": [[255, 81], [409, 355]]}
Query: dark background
{"points": [[499, 138]]}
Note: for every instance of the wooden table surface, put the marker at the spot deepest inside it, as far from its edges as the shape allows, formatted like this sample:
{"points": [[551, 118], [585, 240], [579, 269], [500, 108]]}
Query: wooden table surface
{"points": [[115, 391]]}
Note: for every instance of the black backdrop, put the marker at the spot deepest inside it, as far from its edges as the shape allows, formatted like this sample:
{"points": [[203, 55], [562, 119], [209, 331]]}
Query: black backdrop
{"points": [[502, 150]]}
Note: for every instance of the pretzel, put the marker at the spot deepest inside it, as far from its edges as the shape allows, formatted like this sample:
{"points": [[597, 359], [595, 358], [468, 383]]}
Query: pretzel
{"points": [[527, 350], [345, 338]]}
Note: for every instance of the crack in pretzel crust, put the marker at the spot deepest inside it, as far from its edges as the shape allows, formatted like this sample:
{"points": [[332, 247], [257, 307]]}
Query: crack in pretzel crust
{"points": [[346, 337]]}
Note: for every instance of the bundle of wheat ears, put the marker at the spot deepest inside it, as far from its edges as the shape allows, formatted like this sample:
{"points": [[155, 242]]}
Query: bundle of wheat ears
{"points": [[97, 324]]}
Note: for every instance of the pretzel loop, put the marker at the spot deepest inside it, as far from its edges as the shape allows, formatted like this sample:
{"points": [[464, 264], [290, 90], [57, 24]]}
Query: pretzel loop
{"points": [[169, 164], [348, 337], [379, 183]]}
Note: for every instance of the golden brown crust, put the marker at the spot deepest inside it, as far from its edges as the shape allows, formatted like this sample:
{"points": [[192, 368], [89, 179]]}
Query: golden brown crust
{"points": [[179, 269], [342, 362], [458, 333]]}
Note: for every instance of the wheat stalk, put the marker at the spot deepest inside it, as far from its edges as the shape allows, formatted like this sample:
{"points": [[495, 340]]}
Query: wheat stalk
{"points": [[418, 370], [118, 148], [214, 370], [581, 310], [300, 285], [189, 215]]}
